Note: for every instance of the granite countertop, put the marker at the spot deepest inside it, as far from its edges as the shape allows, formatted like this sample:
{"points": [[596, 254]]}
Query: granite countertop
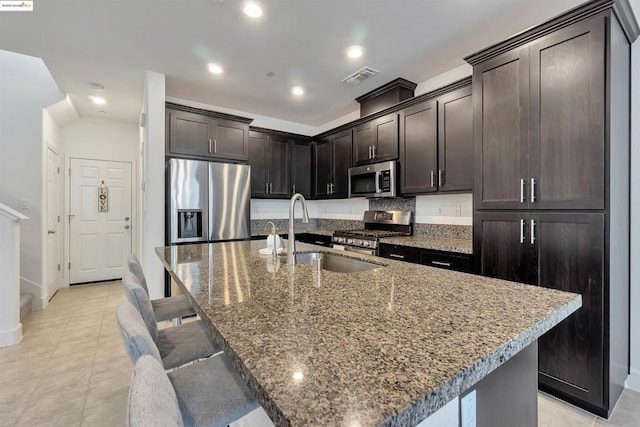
{"points": [[388, 346], [318, 231], [463, 246]]}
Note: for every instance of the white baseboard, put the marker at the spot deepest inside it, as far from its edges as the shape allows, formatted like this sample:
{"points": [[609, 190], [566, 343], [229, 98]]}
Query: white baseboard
{"points": [[29, 287], [633, 380], [11, 337]]}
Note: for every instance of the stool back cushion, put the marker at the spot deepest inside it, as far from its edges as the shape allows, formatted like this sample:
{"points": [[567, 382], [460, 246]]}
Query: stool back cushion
{"points": [[136, 337], [140, 300], [136, 268], [152, 399]]}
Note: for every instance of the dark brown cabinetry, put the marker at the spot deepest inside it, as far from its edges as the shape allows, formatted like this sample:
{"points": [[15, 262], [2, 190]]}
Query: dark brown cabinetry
{"points": [[332, 160], [199, 135], [301, 169], [376, 140], [548, 155], [541, 140], [560, 251], [436, 144], [270, 161], [430, 257]]}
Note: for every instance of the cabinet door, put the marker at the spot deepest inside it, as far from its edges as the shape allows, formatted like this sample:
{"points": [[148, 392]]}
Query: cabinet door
{"points": [[363, 142], [279, 166], [341, 159], [570, 257], [500, 246], [258, 162], [418, 148], [322, 168], [501, 105], [231, 140], [301, 170], [189, 134], [385, 145], [455, 141], [567, 143]]}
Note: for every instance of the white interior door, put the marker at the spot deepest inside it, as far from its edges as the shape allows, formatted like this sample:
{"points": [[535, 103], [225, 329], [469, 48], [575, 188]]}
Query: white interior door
{"points": [[54, 229], [99, 241]]}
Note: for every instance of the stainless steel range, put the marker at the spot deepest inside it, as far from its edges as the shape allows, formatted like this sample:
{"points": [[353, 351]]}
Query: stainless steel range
{"points": [[377, 224]]}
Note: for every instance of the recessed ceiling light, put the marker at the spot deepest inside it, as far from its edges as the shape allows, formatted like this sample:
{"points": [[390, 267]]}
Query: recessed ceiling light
{"points": [[98, 100], [354, 52], [96, 86], [215, 68], [253, 10], [297, 91]]}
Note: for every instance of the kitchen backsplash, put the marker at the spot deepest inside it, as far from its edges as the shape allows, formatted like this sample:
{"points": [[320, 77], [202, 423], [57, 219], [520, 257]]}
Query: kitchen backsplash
{"points": [[399, 204], [445, 231]]}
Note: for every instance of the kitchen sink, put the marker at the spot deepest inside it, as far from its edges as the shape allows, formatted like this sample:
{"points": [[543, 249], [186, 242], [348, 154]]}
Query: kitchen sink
{"points": [[336, 263]]}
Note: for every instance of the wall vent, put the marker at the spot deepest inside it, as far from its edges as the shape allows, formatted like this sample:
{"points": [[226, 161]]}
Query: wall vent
{"points": [[362, 74]]}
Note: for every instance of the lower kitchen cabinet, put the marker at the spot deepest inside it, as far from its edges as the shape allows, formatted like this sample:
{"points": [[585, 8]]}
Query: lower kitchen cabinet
{"points": [[564, 251], [433, 258]]}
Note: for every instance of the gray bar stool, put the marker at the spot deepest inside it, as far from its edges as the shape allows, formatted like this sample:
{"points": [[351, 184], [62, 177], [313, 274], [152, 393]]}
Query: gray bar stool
{"points": [[177, 345], [171, 308], [207, 393]]}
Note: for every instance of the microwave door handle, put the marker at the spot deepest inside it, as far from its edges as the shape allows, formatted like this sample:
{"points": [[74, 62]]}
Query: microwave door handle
{"points": [[379, 182]]}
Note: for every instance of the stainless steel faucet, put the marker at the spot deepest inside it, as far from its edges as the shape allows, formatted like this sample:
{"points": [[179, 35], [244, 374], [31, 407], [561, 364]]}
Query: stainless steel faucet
{"points": [[291, 238]]}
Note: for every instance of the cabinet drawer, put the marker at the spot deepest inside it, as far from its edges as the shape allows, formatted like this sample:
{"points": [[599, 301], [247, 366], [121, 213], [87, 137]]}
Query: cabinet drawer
{"points": [[446, 260], [401, 253]]}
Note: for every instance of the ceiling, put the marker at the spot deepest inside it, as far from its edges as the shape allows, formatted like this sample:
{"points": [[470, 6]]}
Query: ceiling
{"points": [[302, 42]]}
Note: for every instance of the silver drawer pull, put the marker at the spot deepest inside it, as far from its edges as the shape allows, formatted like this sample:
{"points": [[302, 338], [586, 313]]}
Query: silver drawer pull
{"points": [[522, 231], [533, 231], [396, 256], [521, 190], [533, 190], [319, 242], [444, 264], [433, 178]]}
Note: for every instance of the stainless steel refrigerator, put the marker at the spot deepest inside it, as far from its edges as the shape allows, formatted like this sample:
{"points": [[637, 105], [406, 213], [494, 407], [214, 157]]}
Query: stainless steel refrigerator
{"points": [[208, 201]]}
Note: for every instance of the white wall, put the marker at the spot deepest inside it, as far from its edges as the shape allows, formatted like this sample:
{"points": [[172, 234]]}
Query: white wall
{"points": [[325, 209], [445, 209], [26, 87], [153, 191], [103, 139], [634, 379]]}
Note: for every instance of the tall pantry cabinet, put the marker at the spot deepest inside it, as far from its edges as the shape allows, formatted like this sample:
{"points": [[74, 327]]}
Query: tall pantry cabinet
{"points": [[551, 192]]}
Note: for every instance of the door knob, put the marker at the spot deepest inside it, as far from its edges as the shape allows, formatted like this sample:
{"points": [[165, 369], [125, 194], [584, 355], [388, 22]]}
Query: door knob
{"points": [[126, 227], [51, 231]]}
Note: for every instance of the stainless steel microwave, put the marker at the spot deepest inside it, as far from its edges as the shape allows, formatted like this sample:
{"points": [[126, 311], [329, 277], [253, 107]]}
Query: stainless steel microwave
{"points": [[376, 180]]}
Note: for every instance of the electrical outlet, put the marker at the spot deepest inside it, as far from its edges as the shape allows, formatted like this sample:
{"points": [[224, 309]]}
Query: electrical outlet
{"points": [[441, 210], [458, 210], [24, 203], [468, 410]]}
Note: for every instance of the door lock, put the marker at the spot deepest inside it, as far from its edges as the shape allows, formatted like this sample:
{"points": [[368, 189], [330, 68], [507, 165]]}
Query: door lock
{"points": [[126, 218], [126, 227]]}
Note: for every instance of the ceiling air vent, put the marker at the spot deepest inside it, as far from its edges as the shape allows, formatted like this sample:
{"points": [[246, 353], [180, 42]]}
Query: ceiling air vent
{"points": [[362, 74]]}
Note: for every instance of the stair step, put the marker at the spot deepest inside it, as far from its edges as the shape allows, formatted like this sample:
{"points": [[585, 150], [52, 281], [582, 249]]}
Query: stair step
{"points": [[25, 305]]}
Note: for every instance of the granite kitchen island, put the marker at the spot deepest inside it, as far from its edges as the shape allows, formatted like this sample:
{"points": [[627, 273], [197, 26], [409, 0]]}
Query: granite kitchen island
{"points": [[387, 346]]}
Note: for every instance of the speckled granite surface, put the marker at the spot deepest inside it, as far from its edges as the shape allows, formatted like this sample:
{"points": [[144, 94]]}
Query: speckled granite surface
{"points": [[462, 246], [388, 346], [445, 231]]}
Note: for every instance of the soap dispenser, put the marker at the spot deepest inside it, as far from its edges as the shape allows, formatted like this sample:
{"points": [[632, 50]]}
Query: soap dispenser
{"points": [[274, 243]]}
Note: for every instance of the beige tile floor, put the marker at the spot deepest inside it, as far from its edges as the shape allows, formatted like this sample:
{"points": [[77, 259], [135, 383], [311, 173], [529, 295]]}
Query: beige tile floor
{"points": [[71, 369]]}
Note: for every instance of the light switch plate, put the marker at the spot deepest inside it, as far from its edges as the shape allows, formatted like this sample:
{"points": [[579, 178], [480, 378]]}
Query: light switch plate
{"points": [[24, 203]]}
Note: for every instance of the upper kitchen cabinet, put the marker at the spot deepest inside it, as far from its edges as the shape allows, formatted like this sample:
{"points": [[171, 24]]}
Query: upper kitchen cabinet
{"points": [[436, 142], [196, 133], [376, 140], [301, 169], [419, 148], [332, 161], [455, 141], [540, 110]]}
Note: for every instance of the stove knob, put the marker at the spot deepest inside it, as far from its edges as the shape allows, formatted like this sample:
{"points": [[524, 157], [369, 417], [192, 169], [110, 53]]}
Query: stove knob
{"points": [[341, 239], [365, 243], [350, 241]]}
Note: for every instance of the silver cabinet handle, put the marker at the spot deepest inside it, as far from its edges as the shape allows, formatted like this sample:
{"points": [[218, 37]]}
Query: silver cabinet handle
{"points": [[331, 187], [266, 188], [294, 189], [444, 264], [270, 187], [533, 190], [373, 151], [126, 227], [521, 190], [440, 177], [210, 146], [328, 190], [533, 231], [215, 146], [369, 152], [396, 256], [51, 231], [433, 178], [522, 231], [319, 242]]}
